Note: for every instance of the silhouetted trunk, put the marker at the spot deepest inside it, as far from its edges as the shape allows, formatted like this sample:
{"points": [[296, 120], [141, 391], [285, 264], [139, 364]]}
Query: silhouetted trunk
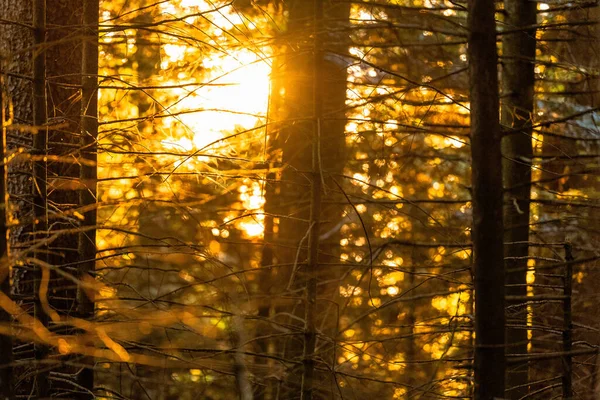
{"points": [[6, 371], [294, 129], [40, 191], [45, 67], [16, 43], [487, 232], [314, 228], [88, 174], [267, 307], [518, 63]]}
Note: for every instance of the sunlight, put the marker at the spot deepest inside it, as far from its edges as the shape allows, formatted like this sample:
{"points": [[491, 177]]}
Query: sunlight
{"points": [[252, 200], [251, 229], [234, 100]]}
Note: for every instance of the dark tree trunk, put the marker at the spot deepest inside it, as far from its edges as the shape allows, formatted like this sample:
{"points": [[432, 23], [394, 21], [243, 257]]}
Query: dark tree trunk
{"points": [[518, 63], [40, 191], [6, 343], [88, 173], [63, 57], [266, 307], [562, 170], [45, 63], [293, 110], [64, 68], [314, 228], [16, 43], [488, 253]]}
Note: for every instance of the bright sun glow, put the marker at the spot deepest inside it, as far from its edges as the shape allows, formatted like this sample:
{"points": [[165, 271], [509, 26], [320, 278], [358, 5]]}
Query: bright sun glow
{"points": [[236, 98]]}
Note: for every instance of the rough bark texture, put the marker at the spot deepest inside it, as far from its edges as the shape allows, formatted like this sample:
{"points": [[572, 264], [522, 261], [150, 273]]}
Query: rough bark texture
{"points": [[16, 44], [518, 50], [488, 254], [64, 60], [44, 63], [41, 383]]}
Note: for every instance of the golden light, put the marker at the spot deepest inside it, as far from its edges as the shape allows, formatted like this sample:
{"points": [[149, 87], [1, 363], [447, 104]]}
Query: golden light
{"points": [[251, 229], [237, 97]]}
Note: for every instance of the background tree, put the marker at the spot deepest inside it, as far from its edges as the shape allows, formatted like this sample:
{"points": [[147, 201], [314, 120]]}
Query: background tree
{"points": [[488, 254], [518, 86], [6, 340]]}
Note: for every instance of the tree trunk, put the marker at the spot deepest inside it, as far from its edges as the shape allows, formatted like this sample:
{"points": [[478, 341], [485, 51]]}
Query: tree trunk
{"points": [[16, 43], [314, 228], [63, 58], [487, 232], [518, 63], [40, 191], [266, 307], [293, 109], [64, 68], [45, 68], [6, 370], [88, 173]]}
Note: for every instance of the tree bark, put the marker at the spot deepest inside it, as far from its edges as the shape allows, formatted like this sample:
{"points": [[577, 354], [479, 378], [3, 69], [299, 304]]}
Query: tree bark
{"points": [[314, 229], [16, 42], [487, 232], [518, 79], [44, 66]]}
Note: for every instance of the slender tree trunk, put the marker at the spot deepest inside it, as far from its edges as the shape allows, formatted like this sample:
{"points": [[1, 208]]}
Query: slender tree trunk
{"points": [[6, 343], [310, 329], [45, 67], [63, 56], [518, 50], [16, 42], [266, 308], [490, 363], [88, 172], [567, 334], [40, 179]]}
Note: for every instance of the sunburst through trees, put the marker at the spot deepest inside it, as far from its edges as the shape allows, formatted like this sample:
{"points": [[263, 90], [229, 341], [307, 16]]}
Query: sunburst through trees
{"points": [[299, 199]]}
